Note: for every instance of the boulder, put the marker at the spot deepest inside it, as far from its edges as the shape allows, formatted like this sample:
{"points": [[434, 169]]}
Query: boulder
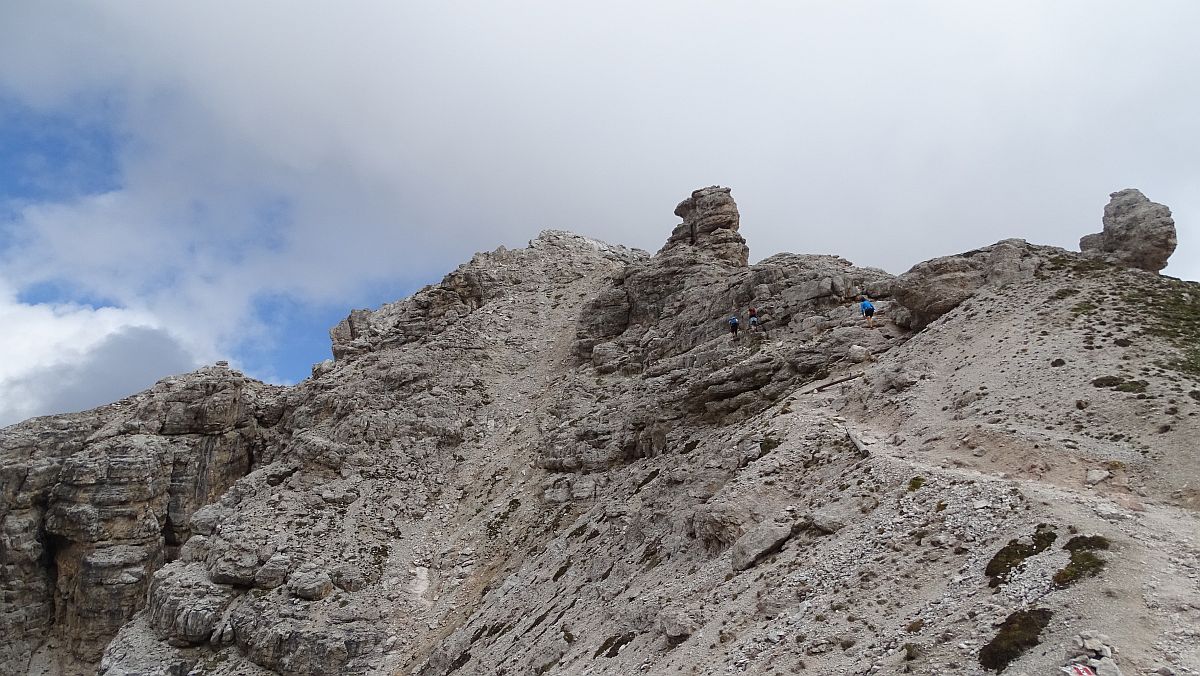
{"points": [[1137, 232], [676, 625], [717, 525], [933, 288], [758, 542], [858, 354], [310, 585], [273, 573], [184, 606], [831, 518]]}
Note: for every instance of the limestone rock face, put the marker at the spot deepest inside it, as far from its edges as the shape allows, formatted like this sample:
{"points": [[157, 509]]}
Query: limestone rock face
{"points": [[1137, 232], [664, 319], [185, 606], [550, 461], [96, 502], [933, 288]]}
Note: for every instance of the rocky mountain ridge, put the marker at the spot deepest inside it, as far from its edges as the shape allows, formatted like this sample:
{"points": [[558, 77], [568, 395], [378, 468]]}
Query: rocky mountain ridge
{"points": [[557, 460]]}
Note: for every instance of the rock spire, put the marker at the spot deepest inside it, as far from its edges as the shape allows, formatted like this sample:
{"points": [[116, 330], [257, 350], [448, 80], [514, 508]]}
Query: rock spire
{"points": [[710, 222], [1137, 232]]}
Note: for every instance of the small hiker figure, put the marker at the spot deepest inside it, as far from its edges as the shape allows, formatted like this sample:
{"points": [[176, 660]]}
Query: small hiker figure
{"points": [[733, 326], [866, 309], [753, 319]]}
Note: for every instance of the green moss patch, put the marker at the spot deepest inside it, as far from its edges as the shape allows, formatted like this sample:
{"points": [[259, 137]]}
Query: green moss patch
{"points": [[1135, 386], [1020, 632], [1108, 381], [915, 483], [1077, 264], [1084, 563], [1015, 552], [1082, 542]]}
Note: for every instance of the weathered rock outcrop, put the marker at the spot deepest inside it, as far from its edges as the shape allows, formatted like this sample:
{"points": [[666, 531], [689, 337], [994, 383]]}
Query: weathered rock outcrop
{"points": [[482, 280], [1137, 232], [662, 323], [760, 541], [710, 221], [92, 504], [559, 461], [933, 288]]}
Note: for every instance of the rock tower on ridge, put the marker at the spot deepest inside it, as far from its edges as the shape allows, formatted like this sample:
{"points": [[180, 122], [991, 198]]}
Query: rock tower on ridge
{"points": [[710, 221], [1137, 232]]}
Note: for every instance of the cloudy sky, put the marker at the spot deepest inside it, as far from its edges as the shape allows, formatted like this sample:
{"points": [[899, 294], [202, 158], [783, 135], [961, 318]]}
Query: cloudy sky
{"points": [[185, 182]]}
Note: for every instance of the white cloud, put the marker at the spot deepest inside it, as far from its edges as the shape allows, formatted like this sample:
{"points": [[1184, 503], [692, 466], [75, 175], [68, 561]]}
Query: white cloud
{"points": [[312, 148], [69, 357]]}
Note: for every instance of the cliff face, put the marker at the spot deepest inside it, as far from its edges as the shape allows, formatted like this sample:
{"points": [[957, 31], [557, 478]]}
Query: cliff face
{"points": [[94, 503], [558, 460]]}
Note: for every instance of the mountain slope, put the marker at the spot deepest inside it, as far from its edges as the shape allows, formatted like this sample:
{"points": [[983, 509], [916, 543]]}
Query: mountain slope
{"points": [[558, 460]]}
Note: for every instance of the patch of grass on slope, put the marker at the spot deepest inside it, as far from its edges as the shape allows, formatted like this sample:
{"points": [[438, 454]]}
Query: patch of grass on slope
{"points": [[1170, 309], [1083, 562], [1015, 552], [1020, 632]]}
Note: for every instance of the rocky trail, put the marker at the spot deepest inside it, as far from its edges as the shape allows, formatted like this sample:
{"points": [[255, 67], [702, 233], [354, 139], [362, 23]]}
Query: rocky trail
{"points": [[557, 461]]}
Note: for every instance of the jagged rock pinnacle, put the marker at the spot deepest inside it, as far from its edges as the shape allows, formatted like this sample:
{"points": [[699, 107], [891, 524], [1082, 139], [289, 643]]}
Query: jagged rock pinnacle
{"points": [[710, 222], [1137, 232]]}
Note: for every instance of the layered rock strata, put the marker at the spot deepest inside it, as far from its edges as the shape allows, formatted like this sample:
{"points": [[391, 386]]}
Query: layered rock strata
{"points": [[93, 503], [558, 461]]}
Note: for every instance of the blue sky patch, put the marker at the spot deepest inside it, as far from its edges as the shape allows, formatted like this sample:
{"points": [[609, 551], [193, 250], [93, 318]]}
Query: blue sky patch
{"points": [[299, 332], [47, 156], [62, 291]]}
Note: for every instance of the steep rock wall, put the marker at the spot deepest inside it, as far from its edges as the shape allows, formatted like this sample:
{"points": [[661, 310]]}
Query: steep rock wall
{"points": [[92, 504]]}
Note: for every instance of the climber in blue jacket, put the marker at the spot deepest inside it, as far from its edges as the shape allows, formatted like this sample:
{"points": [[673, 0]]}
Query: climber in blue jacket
{"points": [[866, 309]]}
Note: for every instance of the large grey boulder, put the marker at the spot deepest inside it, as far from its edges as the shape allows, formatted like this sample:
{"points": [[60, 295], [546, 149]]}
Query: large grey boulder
{"points": [[758, 542], [933, 288], [184, 605], [310, 585], [1137, 232]]}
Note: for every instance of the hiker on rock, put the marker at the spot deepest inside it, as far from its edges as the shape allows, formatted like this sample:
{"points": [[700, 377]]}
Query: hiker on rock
{"points": [[753, 319], [867, 309], [733, 326]]}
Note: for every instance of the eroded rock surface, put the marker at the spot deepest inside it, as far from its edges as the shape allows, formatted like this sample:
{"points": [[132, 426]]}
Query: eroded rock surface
{"points": [[1137, 232], [93, 503], [558, 460], [935, 287]]}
